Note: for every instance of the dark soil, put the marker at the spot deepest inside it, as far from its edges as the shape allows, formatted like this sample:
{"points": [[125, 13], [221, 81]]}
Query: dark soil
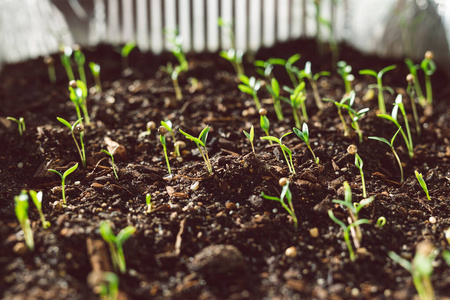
{"points": [[220, 240]]}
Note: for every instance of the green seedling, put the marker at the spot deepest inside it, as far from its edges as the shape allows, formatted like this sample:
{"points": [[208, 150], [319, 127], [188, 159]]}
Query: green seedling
{"points": [[359, 164], [251, 86], [125, 52], [429, 67], [111, 155], [109, 288], [410, 91], [393, 118], [379, 85], [50, 62], [265, 68], [79, 59], [285, 192], [162, 138], [345, 71], [289, 66], [274, 90], [148, 201], [21, 209], [304, 136], [284, 149], [77, 127], [78, 95], [297, 100], [65, 55], [169, 126], [421, 268], [20, 123], [423, 184], [116, 243], [312, 78], [37, 200], [201, 145], [340, 105], [413, 71], [250, 136], [264, 122], [95, 70], [381, 221], [63, 180], [391, 144], [235, 58]]}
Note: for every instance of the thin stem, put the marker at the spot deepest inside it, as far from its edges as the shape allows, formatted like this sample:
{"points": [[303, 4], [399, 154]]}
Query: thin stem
{"points": [[317, 99], [79, 150], [304, 113], [85, 112], [82, 74], [278, 110], [296, 117], [399, 164], [349, 244], [344, 125], [256, 99], [63, 190], [98, 84], [178, 94], [363, 183], [312, 152], [416, 116], [381, 104], [167, 158], [428, 89]]}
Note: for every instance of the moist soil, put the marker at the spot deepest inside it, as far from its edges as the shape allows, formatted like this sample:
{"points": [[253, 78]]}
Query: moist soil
{"points": [[212, 236]]}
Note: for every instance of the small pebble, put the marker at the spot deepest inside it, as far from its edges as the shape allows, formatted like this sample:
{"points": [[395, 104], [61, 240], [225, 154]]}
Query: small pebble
{"points": [[291, 252], [432, 220], [195, 186], [355, 292], [20, 165], [20, 248], [314, 232]]}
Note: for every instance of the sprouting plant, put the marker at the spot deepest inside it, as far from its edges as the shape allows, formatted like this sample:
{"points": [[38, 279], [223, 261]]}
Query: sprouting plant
{"points": [[201, 145], [410, 91], [20, 123], [297, 100], [289, 66], [50, 62], [393, 118], [251, 86], [341, 104], [355, 115], [116, 243], [265, 68], [111, 155], [162, 138], [148, 201], [65, 54], [95, 70], [284, 149], [63, 180], [413, 71], [429, 67], [250, 136], [175, 71], [312, 78], [381, 221], [379, 85], [304, 136], [79, 59], [78, 128], [421, 268], [423, 184], [78, 94], [125, 52], [168, 125], [345, 71], [274, 90], [359, 164], [37, 200], [285, 192], [264, 121], [235, 58], [391, 144], [109, 288], [149, 127], [21, 209]]}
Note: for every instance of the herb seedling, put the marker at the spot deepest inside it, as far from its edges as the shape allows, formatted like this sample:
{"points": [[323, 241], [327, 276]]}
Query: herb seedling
{"points": [[284, 149], [80, 59], [359, 164], [109, 288], [65, 54], [410, 91], [250, 136], [312, 78], [50, 62], [251, 86], [345, 71], [201, 145], [63, 180], [20, 123], [111, 155], [37, 200], [21, 209], [379, 85], [429, 67], [423, 184], [168, 125], [381, 221], [285, 192], [413, 71], [162, 138], [274, 90], [148, 201], [297, 100], [265, 68], [78, 94], [78, 128], [115, 243], [95, 70], [235, 58], [289, 66], [341, 104], [304, 136], [125, 52], [264, 122]]}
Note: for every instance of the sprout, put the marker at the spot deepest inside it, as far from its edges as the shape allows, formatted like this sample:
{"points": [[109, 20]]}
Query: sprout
{"points": [[20, 123], [233, 55], [359, 164], [80, 59], [115, 243], [168, 125], [162, 138], [125, 52], [274, 90], [37, 200], [284, 149], [21, 209], [344, 70], [250, 136], [149, 126], [65, 54], [341, 104], [410, 91], [381, 221], [95, 70], [251, 86], [63, 180], [379, 85], [264, 122], [285, 192], [289, 66], [413, 71], [423, 184], [111, 155], [148, 201], [312, 78], [304, 136], [201, 145], [297, 100], [78, 95], [429, 67], [50, 62], [79, 128], [109, 289], [179, 145]]}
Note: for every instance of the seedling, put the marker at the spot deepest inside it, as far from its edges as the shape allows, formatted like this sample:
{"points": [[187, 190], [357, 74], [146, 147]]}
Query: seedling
{"points": [[233, 55], [284, 149], [423, 184], [410, 90], [201, 145], [265, 68], [297, 100], [421, 268], [381, 221], [304, 136], [149, 126], [285, 192], [251, 86], [379, 85], [115, 243], [175, 71], [429, 67], [78, 95], [109, 289], [274, 90], [264, 122], [20, 123], [312, 78], [63, 180], [65, 54], [413, 71], [111, 155], [80, 59], [148, 200], [289, 66], [345, 71], [359, 164], [250, 136], [391, 144], [168, 125], [50, 62], [341, 104], [21, 209], [125, 52], [77, 127], [95, 70], [355, 116], [37, 200], [162, 138]]}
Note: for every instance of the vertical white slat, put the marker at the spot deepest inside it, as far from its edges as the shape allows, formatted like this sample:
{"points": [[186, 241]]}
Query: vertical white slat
{"points": [[241, 24], [325, 13], [310, 19], [283, 20], [185, 24], [113, 22], [212, 29], [170, 20], [296, 19], [339, 25], [97, 26], [255, 25], [156, 31], [127, 21], [199, 26], [269, 23], [227, 16], [142, 35]]}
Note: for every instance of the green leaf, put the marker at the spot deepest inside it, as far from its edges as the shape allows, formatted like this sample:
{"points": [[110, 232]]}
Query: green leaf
{"points": [[168, 125], [390, 118], [380, 139], [386, 69], [126, 49], [54, 171], [428, 66], [264, 122], [348, 192], [192, 138], [37, 198], [21, 206], [275, 87], [125, 234], [83, 88], [349, 206], [358, 161], [395, 135], [106, 232], [284, 191], [300, 134], [270, 197], [368, 72], [400, 260], [245, 89], [422, 183], [252, 133], [64, 122], [276, 61], [70, 170], [291, 60], [204, 135], [286, 149], [336, 220], [271, 138], [95, 68]]}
